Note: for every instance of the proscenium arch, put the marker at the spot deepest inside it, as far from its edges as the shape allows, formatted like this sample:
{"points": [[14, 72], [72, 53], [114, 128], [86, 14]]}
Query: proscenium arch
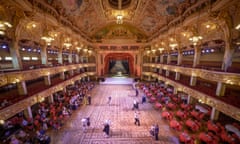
{"points": [[119, 56]]}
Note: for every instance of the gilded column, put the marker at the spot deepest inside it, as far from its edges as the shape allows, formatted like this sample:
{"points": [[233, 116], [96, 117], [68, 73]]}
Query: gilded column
{"points": [[47, 80], [16, 58], [180, 57], [28, 112], [214, 114], [197, 55], [62, 75], [221, 87], [22, 88], [44, 55], [51, 99], [177, 76], [70, 56], [60, 57], [193, 81]]}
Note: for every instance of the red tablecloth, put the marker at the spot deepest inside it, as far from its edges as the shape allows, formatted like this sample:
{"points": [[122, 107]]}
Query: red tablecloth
{"points": [[193, 125], [181, 114], [158, 105], [167, 115], [205, 137], [175, 125], [195, 114], [153, 99], [184, 137], [171, 105], [149, 94], [227, 138], [213, 127]]}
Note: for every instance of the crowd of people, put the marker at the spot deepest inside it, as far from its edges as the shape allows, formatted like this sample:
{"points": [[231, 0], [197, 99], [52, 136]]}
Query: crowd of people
{"points": [[46, 115]]}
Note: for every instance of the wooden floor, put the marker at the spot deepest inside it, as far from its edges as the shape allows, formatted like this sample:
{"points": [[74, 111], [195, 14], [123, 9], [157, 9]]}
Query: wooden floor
{"points": [[123, 130]]}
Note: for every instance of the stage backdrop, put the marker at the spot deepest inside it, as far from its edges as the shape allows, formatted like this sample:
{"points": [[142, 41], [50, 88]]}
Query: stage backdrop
{"points": [[118, 62]]}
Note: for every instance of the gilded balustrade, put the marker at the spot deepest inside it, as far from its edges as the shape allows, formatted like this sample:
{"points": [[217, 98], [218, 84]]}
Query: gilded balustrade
{"points": [[224, 77], [23, 104], [229, 110], [14, 77]]}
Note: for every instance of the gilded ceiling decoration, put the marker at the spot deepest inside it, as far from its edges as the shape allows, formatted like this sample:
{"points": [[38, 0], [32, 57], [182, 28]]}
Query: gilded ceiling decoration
{"points": [[91, 16]]}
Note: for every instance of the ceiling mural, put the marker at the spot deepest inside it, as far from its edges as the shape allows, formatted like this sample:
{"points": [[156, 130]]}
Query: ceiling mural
{"points": [[90, 16]]}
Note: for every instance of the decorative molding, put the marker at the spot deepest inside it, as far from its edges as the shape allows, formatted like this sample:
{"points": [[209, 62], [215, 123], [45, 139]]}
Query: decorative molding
{"points": [[13, 77], [224, 77], [229, 110], [23, 104]]}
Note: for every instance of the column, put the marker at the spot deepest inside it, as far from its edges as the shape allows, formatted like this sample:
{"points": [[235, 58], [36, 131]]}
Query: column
{"points": [[70, 57], [64, 89], [16, 58], [180, 56], [62, 75], [161, 58], [221, 87], [50, 99], [44, 55], [193, 81], [47, 80], [22, 89], [156, 59], [88, 78], [189, 99], [227, 59], [60, 57], [149, 78], [214, 114], [28, 112], [197, 54], [71, 72], [77, 58], [169, 58], [177, 76], [175, 91], [167, 73]]}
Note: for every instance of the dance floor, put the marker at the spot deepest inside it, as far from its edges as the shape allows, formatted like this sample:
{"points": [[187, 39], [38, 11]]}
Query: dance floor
{"points": [[121, 115], [118, 80]]}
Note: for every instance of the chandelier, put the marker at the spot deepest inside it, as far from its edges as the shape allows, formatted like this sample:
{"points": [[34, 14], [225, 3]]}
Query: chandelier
{"points": [[67, 43], [3, 26], [195, 39], [47, 38], [119, 19]]}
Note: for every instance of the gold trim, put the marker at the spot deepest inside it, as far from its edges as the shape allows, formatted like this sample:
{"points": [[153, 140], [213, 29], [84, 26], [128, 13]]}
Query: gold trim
{"points": [[23, 104], [224, 77], [219, 105]]}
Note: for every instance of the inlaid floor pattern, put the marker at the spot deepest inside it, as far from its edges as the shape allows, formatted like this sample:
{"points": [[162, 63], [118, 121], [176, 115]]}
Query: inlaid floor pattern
{"points": [[121, 115]]}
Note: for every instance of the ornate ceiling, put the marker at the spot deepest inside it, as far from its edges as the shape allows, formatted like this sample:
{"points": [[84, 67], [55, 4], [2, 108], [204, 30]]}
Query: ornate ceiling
{"points": [[93, 23], [141, 18]]}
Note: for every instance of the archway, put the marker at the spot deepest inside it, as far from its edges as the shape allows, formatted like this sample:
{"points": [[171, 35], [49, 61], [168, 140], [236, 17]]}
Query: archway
{"points": [[125, 59]]}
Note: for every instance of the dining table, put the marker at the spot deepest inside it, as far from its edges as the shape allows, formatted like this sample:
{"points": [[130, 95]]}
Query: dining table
{"points": [[205, 137]]}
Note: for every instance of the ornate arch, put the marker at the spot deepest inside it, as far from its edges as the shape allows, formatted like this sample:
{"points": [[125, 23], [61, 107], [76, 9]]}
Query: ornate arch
{"points": [[119, 56]]}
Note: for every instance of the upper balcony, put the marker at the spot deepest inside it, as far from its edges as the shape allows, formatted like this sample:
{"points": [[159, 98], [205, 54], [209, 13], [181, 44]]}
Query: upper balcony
{"points": [[14, 77], [224, 77]]}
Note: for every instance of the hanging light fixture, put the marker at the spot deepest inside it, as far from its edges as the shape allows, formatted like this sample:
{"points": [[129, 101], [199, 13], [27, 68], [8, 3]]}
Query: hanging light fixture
{"points": [[3, 26], [67, 43], [196, 36], [46, 37]]}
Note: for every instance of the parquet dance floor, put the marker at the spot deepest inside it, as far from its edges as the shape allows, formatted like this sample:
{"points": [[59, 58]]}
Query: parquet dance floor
{"points": [[121, 115]]}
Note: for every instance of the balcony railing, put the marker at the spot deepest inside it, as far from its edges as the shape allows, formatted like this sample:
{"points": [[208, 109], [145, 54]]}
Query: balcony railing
{"points": [[23, 104], [228, 78], [228, 109], [14, 77]]}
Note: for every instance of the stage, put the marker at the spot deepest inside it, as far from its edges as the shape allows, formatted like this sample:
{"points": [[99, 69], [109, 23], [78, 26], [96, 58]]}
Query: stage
{"points": [[118, 80]]}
